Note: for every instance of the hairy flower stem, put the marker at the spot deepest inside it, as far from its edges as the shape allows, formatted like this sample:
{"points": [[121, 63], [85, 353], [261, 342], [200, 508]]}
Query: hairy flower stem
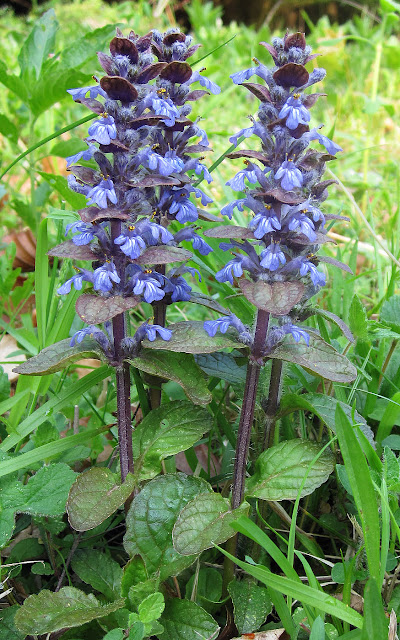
{"points": [[272, 403], [248, 406], [123, 381]]}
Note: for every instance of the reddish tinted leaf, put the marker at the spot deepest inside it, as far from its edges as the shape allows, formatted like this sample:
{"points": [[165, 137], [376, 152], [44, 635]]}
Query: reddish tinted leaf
{"points": [[277, 298], [68, 249], [291, 75], [177, 72], [91, 214], [295, 40], [150, 72], [124, 47], [229, 231], [118, 88], [259, 90], [163, 255], [96, 309]]}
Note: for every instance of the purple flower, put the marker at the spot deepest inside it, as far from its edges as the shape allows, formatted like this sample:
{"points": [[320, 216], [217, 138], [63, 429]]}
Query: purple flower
{"points": [[184, 209], [202, 169], [242, 76], [246, 133], [86, 232], [101, 192], [165, 107], [329, 145], [76, 281], [295, 112], [317, 277], [237, 182], [165, 165], [301, 223], [151, 232], [93, 332], [179, 289], [227, 210], [263, 224], [272, 257], [76, 186], [152, 330], [86, 154], [130, 242], [148, 286], [232, 268], [80, 94], [104, 130], [198, 243], [221, 324], [104, 276], [205, 82], [297, 333], [290, 176]]}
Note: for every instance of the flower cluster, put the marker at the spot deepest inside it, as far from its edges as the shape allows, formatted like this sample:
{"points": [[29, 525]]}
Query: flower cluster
{"points": [[143, 160], [278, 249]]}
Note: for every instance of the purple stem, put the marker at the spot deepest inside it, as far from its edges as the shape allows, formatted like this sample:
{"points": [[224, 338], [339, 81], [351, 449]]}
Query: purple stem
{"points": [[123, 378], [248, 406]]}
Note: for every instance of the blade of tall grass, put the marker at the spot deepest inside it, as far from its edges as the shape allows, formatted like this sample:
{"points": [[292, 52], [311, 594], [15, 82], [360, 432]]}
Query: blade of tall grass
{"points": [[376, 624], [362, 487], [41, 282]]}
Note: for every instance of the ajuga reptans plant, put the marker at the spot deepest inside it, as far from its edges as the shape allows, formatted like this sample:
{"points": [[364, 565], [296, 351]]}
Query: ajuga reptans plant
{"points": [[145, 151], [275, 261]]}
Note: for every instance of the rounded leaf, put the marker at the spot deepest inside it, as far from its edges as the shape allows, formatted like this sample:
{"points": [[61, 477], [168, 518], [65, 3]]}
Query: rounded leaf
{"points": [[277, 298]]}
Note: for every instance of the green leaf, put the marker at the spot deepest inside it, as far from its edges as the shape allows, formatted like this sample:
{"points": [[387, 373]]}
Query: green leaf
{"points": [[59, 183], [99, 570], [251, 605], [358, 319], [172, 428], [151, 518], [13, 83], [134, 572], [177, 367], [318, 358], [362, 488], [95, 495], [68, 395], [205, 521], [45, 494], [206, 588], [318, 629], [324, 407], [302, 592], [375, 622], [279, 471], [37, 46], [185, 620], [58, 356], [222, 365], [191, 337], [8, 128], [69, 607], [8, 630], [115, 634], [390, 313], [151, 608]]}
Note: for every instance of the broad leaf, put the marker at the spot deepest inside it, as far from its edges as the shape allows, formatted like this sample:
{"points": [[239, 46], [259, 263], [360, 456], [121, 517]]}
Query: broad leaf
{"points": [[318, 358], [191, 337], [45, 494], [358, 320], [163, 255], [390, 313], [205, 521], [205, 588], [151, 608], [332, 317], [185, 620], [133, 573], [58, 356], [13, 83], [8, 630], [151, 518], [68, 249], [172, 428], [277, 298], [76, 200], [177, 367], [251, 605], [37, 46], [280, 470], [69, 607], [324, 407], [99, 570], [96, 309], [94, 496], [229, 231], [222, 365], [8, 128]]}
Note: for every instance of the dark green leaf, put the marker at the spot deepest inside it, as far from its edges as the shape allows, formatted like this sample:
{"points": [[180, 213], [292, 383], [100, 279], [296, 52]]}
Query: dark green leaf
{"points": [[251, 605], [205, 521], [280, 470], [191, 337], [185, 620], [222, 365], [358, 319], [58, 356], [206, 588], [99, 570], [324, 407], [8, 630], [390, 313], [318, 358], [94, 496], [151, 519], [69, 607], [177, 367], [172, 428]]}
